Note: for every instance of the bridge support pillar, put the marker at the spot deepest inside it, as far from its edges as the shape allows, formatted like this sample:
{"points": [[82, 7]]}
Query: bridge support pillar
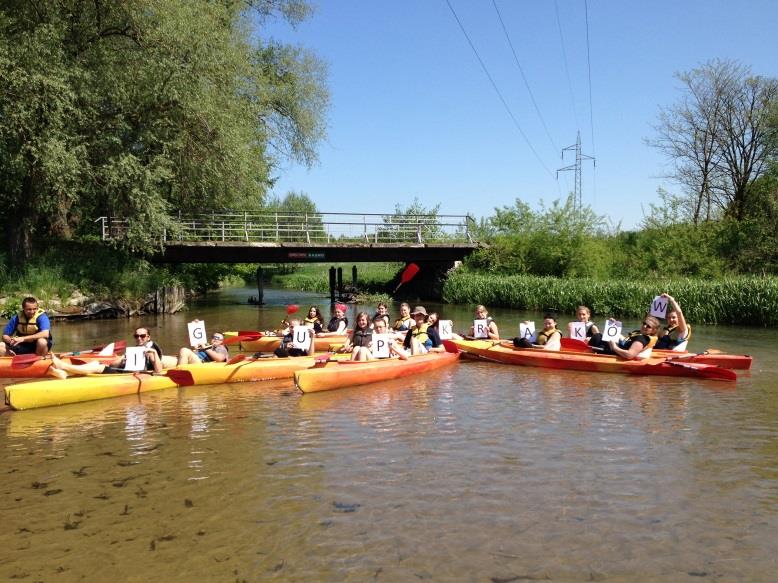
{"points": [[332, 285], [340, 283], [260, 287]]}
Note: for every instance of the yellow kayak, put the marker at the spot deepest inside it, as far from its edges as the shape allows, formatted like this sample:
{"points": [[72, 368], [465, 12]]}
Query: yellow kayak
{"points": [[47, 393], [270, 343]]}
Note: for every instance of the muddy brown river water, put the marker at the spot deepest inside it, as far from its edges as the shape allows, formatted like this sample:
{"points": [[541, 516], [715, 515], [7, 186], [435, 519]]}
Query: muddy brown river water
{"points": [[478, 472]]}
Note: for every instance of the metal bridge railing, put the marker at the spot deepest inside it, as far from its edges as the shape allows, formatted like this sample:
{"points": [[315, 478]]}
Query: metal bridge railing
{"points": [[308, 228]]}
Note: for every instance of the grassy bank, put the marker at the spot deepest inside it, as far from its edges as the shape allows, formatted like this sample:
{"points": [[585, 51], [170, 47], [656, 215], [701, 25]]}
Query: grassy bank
{"points": [[736, 300]]}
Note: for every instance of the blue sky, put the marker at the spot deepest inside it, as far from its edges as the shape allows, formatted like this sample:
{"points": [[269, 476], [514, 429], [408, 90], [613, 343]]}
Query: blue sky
{"points": [[413, 114]]}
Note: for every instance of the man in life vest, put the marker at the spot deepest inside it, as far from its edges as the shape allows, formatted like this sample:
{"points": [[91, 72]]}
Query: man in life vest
{"points": [[28, 332]]}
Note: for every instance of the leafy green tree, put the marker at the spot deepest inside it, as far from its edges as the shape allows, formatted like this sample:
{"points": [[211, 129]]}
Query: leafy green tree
{"points": [[295, 216], [559, 240], [132, 109], [407, 224]]}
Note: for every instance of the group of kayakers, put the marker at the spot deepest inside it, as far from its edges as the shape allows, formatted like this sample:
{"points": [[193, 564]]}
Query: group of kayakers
{"points": [[414, 332]]}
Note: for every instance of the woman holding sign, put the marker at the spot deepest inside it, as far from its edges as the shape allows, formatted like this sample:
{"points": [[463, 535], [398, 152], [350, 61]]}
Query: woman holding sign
{"points": [[358, 343], [145, 355], [383, 344], [677, 331], [549, 338], [483, 325], [584, 328], [631, 347]]}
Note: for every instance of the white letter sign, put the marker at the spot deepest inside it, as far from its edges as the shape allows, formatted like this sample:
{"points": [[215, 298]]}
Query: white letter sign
{"points": [[658, 307], [612, 330], [446, 329], [135, 358], [197, 335], [480, 329], [301, 337], [577, 330], [527, 330], [380, 346]]}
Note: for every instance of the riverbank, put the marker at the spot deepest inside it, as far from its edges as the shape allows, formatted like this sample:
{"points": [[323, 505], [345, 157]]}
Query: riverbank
{"points": [[741, 300]]}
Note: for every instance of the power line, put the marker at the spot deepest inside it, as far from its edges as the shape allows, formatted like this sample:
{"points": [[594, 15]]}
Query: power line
{"points": [[589, 69], [523, 77], [497, 90], [567, 68]]}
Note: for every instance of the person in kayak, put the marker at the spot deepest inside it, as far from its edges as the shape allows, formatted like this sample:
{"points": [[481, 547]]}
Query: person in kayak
{"points": [[404, 322], [286, 349], [382, 311], [634, 346], [584, 314], [422, 338], [216, 352], [314, 320], [338, 323], [358, 342], [549, 338], [28, 332], [677, 331], [155, 362], [492, 331], [380, 327]]}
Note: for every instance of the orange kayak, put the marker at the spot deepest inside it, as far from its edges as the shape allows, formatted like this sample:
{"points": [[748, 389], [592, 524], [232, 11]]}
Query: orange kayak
{"points": [[710, 356], [38, 368], [349, 373], [591, 362]]}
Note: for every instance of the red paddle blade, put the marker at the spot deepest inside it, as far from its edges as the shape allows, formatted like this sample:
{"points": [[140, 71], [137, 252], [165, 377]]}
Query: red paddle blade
{"points": [[450, 346], [182, 378], [237, 358], [291, 309], [575, 345], [707, 371], [21, 360], [409, 273], [119, 346], [75, 360]]}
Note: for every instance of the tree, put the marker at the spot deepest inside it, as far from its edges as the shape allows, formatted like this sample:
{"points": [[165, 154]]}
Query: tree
{"points": [[131, 109], [719, 136], [295, 216], [407, 224]]}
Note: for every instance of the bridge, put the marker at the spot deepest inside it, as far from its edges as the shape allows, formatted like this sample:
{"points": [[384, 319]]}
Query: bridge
{"points": [[268, 237]]}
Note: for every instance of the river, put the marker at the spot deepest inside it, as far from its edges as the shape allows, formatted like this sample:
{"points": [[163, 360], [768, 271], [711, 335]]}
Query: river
{"points": [[477, 472]]}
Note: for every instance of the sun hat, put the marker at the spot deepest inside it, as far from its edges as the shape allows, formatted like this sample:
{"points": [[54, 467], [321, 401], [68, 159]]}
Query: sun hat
{"points": [[419, 310], [341, 307]]}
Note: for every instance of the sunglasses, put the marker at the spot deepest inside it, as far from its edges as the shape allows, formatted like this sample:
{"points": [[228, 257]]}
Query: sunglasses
{"points": [[140, 335], [647, 325], [217, 338]]}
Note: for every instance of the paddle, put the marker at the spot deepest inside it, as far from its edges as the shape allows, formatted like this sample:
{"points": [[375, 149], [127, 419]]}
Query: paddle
{"points": [[707, 371], [183, 378], [291, 309], [408, 274], [575, 345], [450, 346], [21, 360]]}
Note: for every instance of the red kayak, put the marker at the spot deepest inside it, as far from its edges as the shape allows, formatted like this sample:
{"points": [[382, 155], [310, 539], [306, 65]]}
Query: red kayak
{"points": [[32, 368], [591, 362], [710, 356]]}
